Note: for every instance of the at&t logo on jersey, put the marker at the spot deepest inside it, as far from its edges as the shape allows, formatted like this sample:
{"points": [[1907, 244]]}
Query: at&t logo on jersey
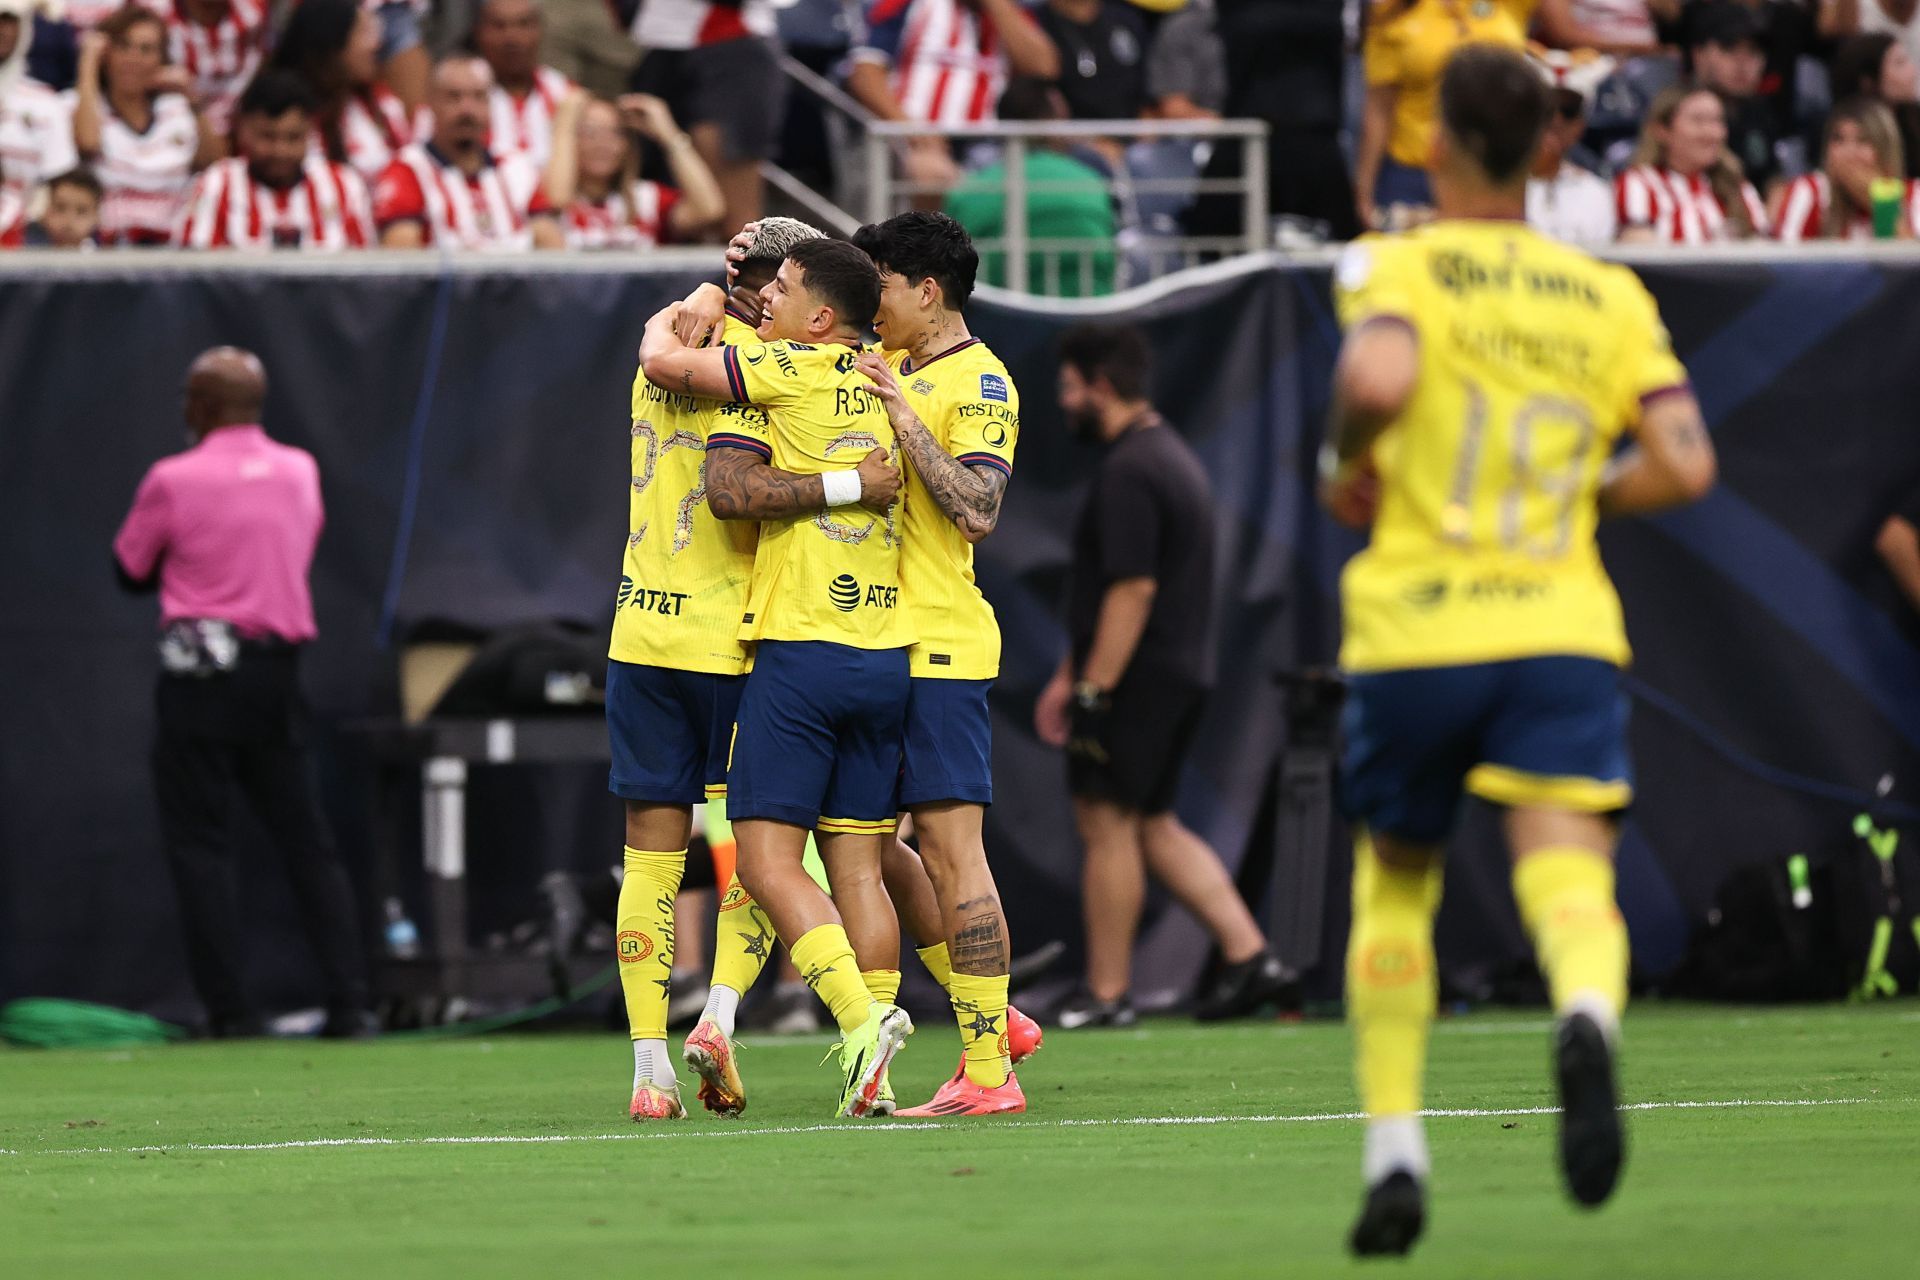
{"points": [[993, 387], [844, 591], [847, 596]]}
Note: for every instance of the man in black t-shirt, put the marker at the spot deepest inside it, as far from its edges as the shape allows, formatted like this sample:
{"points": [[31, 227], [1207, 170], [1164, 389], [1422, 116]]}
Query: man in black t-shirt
{"points": [[1128, 698], [1726, 50], [1103, 56]]}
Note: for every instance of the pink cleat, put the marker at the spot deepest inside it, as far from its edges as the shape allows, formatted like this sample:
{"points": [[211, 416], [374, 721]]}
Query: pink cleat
{"points": [[1023, 1036], [651, 1102], [962, 1097]]}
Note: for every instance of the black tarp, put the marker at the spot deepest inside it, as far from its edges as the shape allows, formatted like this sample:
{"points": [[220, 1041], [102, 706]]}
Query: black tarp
{"points": [[482, 414]]}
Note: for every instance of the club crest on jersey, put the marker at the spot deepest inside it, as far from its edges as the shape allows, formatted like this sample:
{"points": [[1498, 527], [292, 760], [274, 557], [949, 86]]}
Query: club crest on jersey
{"points": [[993, 387], [922, 387]]}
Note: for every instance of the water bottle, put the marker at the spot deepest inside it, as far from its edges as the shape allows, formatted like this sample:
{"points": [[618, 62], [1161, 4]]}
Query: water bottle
{"points": [[403, 939]]}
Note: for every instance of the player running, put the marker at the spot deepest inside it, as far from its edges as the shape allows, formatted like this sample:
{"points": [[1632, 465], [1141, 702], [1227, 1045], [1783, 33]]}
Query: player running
{"points": [[673, 684], [817, 739], [956, 415], [1486, 378]]}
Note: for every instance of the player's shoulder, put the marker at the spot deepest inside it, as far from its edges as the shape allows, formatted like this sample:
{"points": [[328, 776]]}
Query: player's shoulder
{"points": [[1376, 256], [735, 332]]}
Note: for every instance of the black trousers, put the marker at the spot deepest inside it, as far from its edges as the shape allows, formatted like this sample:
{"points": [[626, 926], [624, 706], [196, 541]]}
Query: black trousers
{"points": [[244, 734]]}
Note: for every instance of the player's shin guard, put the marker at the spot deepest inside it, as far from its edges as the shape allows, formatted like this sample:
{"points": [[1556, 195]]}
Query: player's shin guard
{"points": [[1566, 900], [644, 944], [825, 960], [743, 940], [1392, 987], [980, 1005], [938, 963]]}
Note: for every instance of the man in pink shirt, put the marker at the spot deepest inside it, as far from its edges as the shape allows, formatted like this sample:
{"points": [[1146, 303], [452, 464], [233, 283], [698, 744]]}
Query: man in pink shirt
{"points": [[226, 532]]}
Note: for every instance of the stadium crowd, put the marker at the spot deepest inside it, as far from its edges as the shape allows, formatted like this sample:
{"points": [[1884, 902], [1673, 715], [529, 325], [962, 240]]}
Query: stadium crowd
{"points": [[626, 124]]}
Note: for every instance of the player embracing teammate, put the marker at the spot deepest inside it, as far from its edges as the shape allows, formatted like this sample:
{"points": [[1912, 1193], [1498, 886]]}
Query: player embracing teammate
{"points": [[849, 601], [1487, 375]]}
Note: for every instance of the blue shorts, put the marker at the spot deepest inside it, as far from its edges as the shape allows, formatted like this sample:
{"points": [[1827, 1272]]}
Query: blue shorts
{"points": [[817, 742], [948, 743], [1533, 731], [669, 731]]}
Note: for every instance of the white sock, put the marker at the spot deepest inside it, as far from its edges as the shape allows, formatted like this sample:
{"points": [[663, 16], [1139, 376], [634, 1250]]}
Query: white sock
{"points": [[722, 1004], [1600, 1009], [652, 1064], [1394, 1143]]}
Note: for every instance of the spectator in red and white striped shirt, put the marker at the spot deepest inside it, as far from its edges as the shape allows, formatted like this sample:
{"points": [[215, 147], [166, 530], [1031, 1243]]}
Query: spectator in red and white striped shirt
{"points": [[1836, 202], [525, 94], [36, 126], [277, 194], [594, 179], [944, 62], [135, 121], [1684, 186], [220, 44], [334, 45], [13, 220], [451, 190]]}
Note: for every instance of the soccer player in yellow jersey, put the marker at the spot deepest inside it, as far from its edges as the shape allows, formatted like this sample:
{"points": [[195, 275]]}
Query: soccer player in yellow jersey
{"points": [[673, 685], [956, 414], [1487, 376], [817, 738]]}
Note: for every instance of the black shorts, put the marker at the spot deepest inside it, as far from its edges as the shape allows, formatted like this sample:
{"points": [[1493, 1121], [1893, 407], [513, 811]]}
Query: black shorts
{"points": [[1152, 726], [736, 84]]}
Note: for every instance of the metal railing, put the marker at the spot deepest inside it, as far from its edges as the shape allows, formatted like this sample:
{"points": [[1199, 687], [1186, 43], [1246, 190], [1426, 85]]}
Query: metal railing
{"points": [[1149, 243]]}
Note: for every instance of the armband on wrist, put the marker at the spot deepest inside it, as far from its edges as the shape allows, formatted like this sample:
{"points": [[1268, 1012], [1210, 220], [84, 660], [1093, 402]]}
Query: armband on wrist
{"points": [[842, 488]]}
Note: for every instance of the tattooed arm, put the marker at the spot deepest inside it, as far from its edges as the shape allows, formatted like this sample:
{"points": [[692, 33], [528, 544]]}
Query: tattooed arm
{"points": [[742, 485], [672, 365], [968, 496], [1670, 463]]}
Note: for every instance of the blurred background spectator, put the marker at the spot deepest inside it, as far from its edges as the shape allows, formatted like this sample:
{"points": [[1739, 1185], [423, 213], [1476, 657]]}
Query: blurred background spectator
{"points": [[1725, 53], [1622, 28], [1067, 200], [71, 219], [1408, 43], [135, 122], [1102, 46], [450, 190], [594, 178], [717, 67], [525, 94], [36, 124], [1684, 186], [219, 43], [334, 45], [13, 219], [587, 42], [944, 62], [1837, 202], [1564, 199], [1878, 67], [1186, 69], [1899, 19], [277, 194]]}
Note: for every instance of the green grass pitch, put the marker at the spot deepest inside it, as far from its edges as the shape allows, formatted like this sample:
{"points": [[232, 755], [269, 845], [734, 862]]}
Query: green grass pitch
{"points": [[1170, 1150]]}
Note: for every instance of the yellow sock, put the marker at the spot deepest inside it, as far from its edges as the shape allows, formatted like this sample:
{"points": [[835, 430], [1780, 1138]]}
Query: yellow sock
{"points": [[825, 960], [882, 984], [980, 1005], [938, 964], [743, 940], [644, 941], [1566, 901], [1392, 987]]}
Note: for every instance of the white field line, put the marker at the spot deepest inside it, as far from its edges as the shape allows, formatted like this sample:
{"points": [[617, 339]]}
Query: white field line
{"points": [[503, 1140]]}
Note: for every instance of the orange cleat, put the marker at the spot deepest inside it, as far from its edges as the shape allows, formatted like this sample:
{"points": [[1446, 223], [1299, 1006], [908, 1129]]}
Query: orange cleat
{"points": [[962, 1097], [710, 1054], [1023, 1036], [651, 1102]]}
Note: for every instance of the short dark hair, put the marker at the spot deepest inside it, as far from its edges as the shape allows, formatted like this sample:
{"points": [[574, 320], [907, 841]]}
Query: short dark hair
{"points": [[276, 91], [1495, 105], [1118, 353], [82, 178], [1027, 98], [1856, 64], [920, 245], [840, 276]]}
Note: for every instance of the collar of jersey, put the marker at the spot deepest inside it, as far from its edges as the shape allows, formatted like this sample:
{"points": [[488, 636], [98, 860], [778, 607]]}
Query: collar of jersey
{"points": [[908, 366]]}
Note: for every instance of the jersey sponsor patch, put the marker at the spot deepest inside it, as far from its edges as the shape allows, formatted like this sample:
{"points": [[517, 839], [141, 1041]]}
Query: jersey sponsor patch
{"points": [[993, 387]]}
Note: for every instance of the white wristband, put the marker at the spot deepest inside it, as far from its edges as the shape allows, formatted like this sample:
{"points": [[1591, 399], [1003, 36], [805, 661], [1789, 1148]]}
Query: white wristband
{"points": [[842, 488]]}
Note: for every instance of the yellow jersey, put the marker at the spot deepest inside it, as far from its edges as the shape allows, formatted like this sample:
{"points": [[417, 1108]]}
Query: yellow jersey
{"points": [[833, 575], [969, 404], [1534, 358], [684, 580], [1408, 45]]}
